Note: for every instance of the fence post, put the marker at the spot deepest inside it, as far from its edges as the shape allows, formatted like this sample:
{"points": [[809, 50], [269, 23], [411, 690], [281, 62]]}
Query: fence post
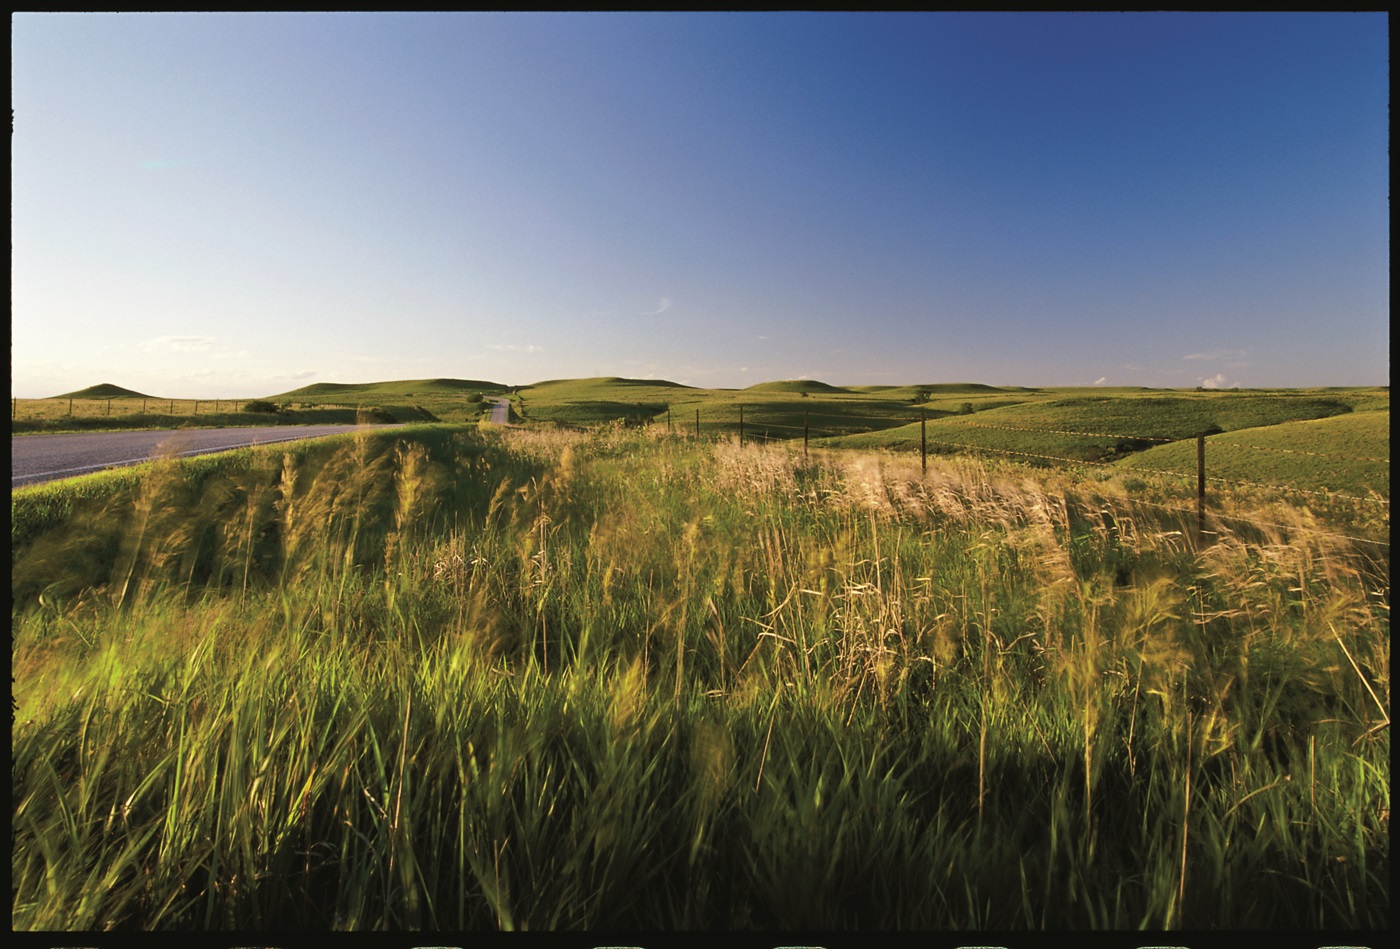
{"points": [[923, 443], [741, 426], [1200, 485], [143, 406], [804, 434], [196, 406], [668, 420], [109, 408], [697, 423], [172, 406], [70, 406]]}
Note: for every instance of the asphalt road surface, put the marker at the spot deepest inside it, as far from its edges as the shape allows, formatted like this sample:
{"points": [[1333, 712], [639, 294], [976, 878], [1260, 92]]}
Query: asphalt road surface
{"points": [[37, 458], [500, 412]]}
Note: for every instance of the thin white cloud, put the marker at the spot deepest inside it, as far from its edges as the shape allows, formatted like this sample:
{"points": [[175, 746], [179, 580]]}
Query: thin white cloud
{"points": [[661, 307], [513, 348], [1101, 380], [179, 344], [1227, 356]]}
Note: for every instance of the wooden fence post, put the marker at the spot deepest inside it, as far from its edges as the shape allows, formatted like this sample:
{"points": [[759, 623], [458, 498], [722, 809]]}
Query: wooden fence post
{"points": [[1200, 485], [143, 406], [669, 430], [741, 426], [697, 423], [172, 406], [109, 408], [804, 434], [923, 443], [70, 407]]}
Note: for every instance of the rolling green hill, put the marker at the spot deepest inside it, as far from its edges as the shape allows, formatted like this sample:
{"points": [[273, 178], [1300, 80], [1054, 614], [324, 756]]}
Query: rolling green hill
{"points": [[1344, 453], [322, 391], [105, 390], [1334, 441], [808, 386]]}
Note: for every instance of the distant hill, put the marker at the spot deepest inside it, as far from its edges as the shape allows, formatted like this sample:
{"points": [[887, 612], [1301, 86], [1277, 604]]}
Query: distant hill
{"points": [[411, 387], [798, 385], [104, 391], [945, 388], [607, 382]]}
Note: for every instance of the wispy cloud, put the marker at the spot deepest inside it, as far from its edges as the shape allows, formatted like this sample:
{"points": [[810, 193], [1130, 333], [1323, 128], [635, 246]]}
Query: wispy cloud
{"points": [[1101, 380], [1231, 358], [661, 307], [179, 344], [515, 348]]}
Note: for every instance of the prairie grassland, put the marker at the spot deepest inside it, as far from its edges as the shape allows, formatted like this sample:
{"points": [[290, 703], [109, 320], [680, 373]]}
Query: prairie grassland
{"points": [[1343, 453], [461, 679]]}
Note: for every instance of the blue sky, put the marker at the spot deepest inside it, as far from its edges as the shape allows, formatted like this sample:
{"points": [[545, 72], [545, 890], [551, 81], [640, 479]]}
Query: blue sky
{"points": [[236, 205]]}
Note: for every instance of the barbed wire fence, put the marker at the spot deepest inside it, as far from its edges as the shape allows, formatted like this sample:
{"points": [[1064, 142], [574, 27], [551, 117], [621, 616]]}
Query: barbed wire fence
{"points": [[79, 407], [765, 432]]}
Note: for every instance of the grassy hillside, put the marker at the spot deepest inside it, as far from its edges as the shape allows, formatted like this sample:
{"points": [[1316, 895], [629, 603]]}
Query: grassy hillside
{"points": [[1045, 425], [448, 400], [808, 386], [455, 678], [1088, 424], [1349, 454], [105, 390], [407, 389]]}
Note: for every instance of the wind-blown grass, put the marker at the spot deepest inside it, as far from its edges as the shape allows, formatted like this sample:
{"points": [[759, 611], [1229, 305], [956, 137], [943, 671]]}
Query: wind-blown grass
{"points": [[451, 679]]}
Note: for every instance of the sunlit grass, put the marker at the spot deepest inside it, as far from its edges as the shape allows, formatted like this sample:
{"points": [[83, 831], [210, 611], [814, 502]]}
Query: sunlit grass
{"points": [[452, 679]]}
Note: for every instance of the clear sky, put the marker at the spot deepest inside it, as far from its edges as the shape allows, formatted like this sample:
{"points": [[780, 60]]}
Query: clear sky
{"points": [[236, 205]]}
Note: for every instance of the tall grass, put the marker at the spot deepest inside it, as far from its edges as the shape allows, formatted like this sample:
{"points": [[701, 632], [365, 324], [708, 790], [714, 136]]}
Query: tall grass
{"points": [[455, 680]]}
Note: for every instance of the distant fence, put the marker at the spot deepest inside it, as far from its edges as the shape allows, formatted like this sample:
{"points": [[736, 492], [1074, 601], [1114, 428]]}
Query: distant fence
{"points": [[95, 408], [748, 430], [44, 409]]}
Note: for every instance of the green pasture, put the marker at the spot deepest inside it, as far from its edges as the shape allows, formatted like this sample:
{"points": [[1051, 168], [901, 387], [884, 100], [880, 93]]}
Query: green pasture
{"points": [[1346, 454]]}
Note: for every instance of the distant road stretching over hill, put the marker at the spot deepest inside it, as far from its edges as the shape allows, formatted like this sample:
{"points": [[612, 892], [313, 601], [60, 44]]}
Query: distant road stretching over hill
{"points": [[38, 458]]}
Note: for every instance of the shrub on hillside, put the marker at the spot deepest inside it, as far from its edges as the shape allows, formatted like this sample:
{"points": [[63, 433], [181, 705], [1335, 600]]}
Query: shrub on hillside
{"points": [[261, 405]]}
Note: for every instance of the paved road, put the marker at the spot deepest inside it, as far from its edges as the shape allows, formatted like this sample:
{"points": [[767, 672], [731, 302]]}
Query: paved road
{"points": [[36, 458], [500, 412]]}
